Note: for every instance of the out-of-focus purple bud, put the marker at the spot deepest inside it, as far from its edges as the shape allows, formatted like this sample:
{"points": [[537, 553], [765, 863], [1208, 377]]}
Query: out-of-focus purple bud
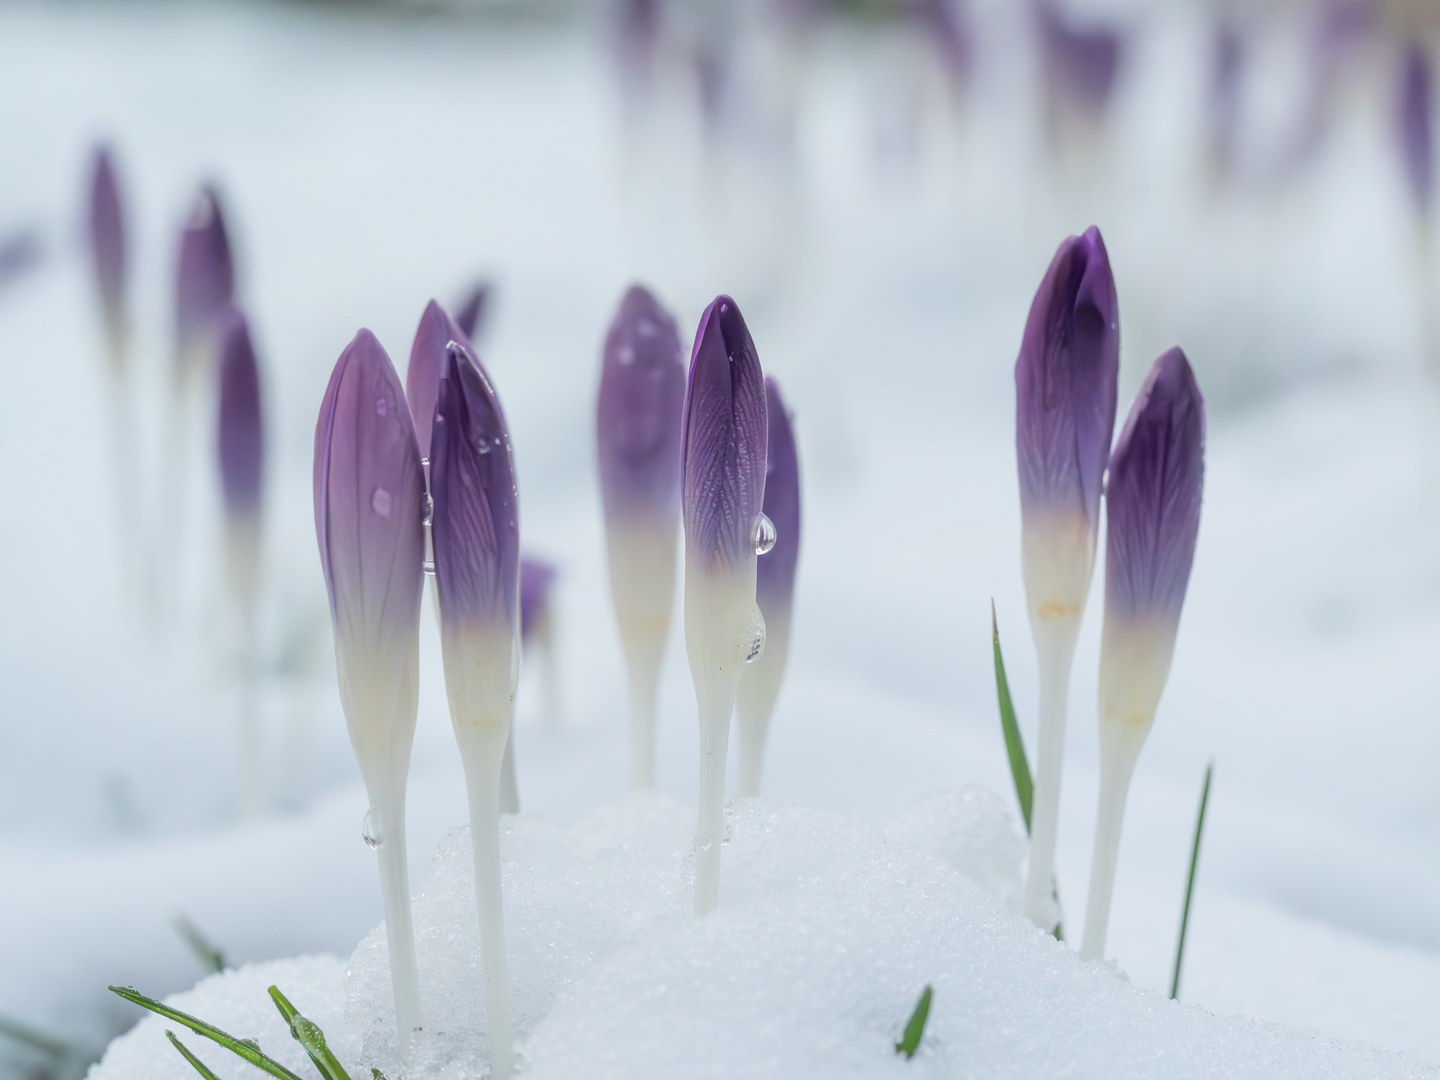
{"points": [[1226, 72], [369, 487], [106, 226], [1065, 388], [638, 416], [428, 359], [536, 577], [723, 440], [20, 252], [1081, 62], [205, 275], [944, 24], [476, 524], [240, 430], [637, 36], [1415, 123], [470, 315], [1065, 384], [774, 591], [1152, 499], [1153, 496]]}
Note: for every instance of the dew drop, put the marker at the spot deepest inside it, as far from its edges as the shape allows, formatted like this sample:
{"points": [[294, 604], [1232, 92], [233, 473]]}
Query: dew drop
{"points": [[646, 328], [427, 509], [381, 406], [763, 534], [428, 566], [754, 636], [380, 502], [370, 830], [627, 355]]}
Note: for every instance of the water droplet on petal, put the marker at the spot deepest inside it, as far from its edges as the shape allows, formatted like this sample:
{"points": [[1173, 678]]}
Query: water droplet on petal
{"points": [[381, 406], [370, 830], [380, 502], [754, 636], [763, 535], [428, 566], [427, 510], [627, 355]]}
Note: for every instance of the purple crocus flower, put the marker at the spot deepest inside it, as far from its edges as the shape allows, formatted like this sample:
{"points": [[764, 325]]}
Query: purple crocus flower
{"points": [[204, 279], [1081, 65], [428, 359], [637, 434], [1065, 386], [368, 492], [723, 491], [1415, 124], [536, 577], [774, 590], [476, 534], [240, 431], [105, 223], [471, 312], [1153, 495]]}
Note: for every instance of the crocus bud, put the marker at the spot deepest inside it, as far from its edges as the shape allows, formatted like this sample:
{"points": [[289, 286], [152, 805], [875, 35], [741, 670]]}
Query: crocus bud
{"points": [[1065, 386], [476, 534], [105, 223], [536, 577], [723, 492], [204, 280], [774, 590], [240, 449], [368, 492], [638, 418], [428, 358], [1152, 500], [1415, 125], [1080, 66], [470, 314]]}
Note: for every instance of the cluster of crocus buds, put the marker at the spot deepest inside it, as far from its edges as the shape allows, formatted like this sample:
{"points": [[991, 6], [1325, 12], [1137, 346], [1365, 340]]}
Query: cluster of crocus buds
{"points": [[774, 592], [723, 483], [638, 425], [1065, 382], [1065, 390], [381, 479]]}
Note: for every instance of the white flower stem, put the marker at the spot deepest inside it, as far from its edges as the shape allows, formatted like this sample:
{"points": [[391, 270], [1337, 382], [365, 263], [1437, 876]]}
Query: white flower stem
{"points": [[644, 674], [483, 766], [642, 589], [1115, 773], [509, 789], [1055, 646], [710, 824], [399, 928], [755, 703], [252, 796]]}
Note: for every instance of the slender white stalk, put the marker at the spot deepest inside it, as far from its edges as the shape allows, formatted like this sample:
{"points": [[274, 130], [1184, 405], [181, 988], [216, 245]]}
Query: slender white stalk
{"points": [[719, 617], [1115, 776], [642, 588], [387, 825], [252, 797], [1055, 646], [755, 704], [509, 790]]}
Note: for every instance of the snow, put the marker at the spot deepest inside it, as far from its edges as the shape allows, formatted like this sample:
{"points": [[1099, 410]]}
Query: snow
{"points": [[372, 160]]}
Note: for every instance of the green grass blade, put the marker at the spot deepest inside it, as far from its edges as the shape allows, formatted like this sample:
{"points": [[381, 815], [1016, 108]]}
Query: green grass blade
{"points": [[49, 1044], [204, 949], [1014, 747], [915, 1028], [1190, 884], [308, 1034], [199, 1065], [245, 1048]]}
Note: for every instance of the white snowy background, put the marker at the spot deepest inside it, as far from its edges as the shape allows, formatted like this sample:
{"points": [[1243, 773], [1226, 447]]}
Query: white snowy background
{"points": [[883, 237]]}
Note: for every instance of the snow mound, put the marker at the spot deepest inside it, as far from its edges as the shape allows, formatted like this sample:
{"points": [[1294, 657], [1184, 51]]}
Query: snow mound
{"points": [[828, 928]]}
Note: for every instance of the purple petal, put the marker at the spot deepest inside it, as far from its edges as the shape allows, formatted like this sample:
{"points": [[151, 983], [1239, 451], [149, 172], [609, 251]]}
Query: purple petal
{"points": [[476, 529], [724, 440], [1065, 382], [240, 428], [536, 577], [205, 277], [638, 415], [427, 367], [368, 513], [1416, 126], [470, 315], [775, 572], [1153, 494], [106, 225]]}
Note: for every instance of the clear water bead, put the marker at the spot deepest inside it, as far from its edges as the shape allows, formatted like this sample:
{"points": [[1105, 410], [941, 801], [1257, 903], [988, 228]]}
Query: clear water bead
{"points": [[370, 830], [763, 535], [427, 509], [381, 406], [380, 502], [755, 635]]}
